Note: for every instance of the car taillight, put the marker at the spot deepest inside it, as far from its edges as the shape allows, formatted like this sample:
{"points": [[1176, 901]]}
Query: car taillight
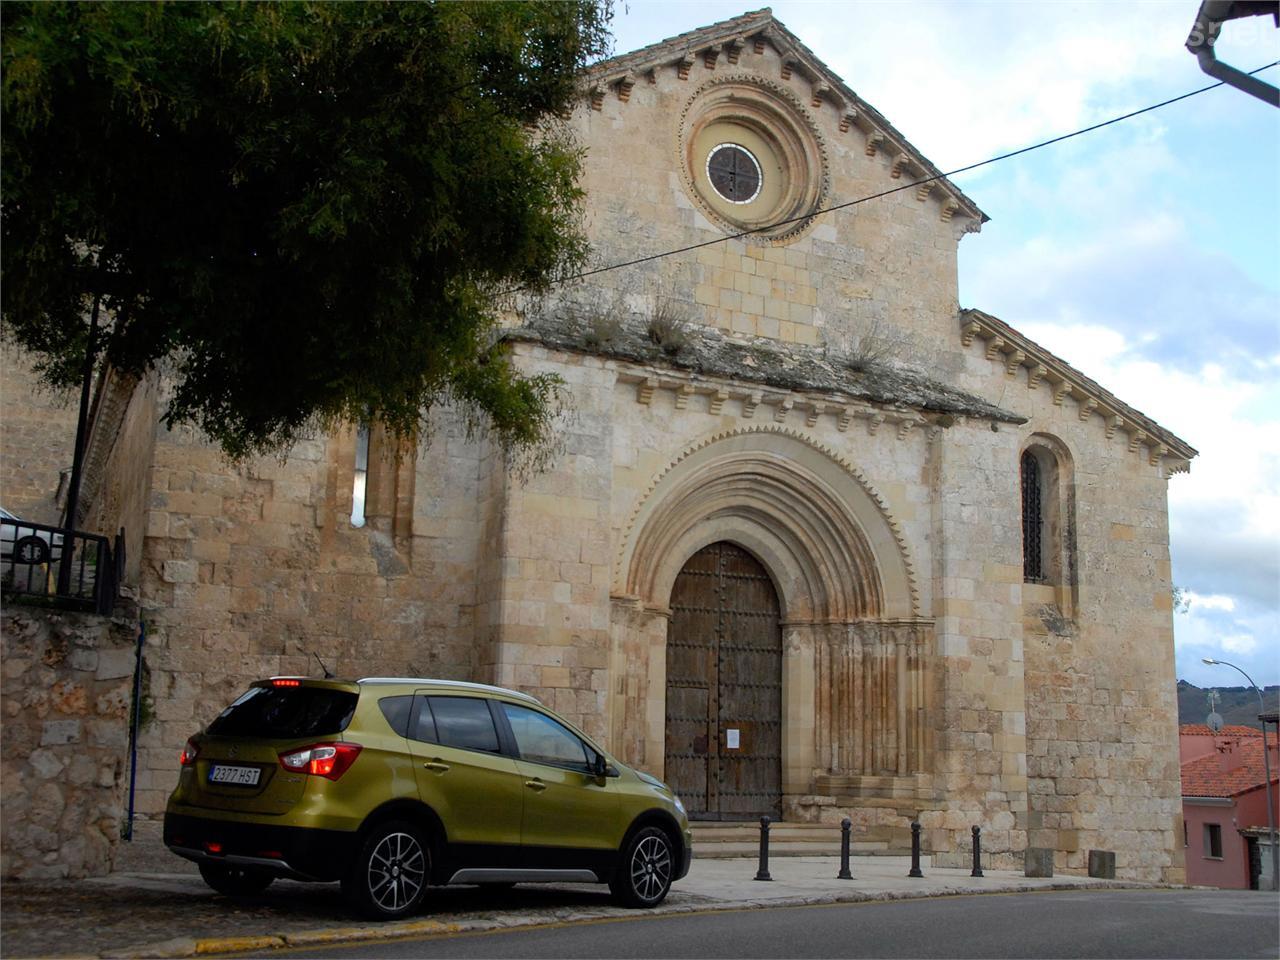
{"points": [[329, 760], [189, 754], [285, 682]]}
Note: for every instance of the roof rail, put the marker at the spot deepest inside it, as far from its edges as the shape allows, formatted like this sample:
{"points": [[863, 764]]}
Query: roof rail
{"points": [[452, 683]]}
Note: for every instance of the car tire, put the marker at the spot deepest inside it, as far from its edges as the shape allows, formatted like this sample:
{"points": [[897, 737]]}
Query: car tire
{"points": [[388, 877], [234, 881], [645, 869]]}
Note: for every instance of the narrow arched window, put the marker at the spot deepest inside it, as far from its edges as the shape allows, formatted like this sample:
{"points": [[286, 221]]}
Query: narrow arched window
{"points": [[360, 483], [1032, 518]]}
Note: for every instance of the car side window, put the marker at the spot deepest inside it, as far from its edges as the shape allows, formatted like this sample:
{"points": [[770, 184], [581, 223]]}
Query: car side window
{"points": [[464, 722], [541, 740], [397, 712]]}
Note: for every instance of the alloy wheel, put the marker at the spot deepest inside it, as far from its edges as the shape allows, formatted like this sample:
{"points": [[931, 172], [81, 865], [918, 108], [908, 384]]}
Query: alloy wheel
{"points": [[397, 871], [651, 868]]}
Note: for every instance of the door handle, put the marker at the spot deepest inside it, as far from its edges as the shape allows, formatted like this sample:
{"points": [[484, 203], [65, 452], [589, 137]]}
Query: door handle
{"points": [[535, 784], [436, 765]]}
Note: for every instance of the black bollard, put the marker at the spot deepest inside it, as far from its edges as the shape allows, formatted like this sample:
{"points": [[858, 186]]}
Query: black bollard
{"points": [[977, 852], [763, 872], [845, 826], [915, 850]]}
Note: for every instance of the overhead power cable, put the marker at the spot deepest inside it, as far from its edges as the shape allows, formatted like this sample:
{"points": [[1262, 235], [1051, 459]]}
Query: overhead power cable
{"points": [[905, 186]]}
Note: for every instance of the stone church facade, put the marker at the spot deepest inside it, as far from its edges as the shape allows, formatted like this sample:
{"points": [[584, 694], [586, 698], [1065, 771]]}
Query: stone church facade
{"points": [[815, 542]]}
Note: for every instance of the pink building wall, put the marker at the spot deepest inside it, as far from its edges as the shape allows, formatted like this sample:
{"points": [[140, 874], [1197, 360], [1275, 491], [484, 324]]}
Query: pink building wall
{"points": [[1232, 871]]}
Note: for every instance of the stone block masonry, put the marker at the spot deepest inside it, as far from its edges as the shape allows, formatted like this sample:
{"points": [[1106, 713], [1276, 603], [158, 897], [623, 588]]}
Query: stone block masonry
{"points": [[66, 684]]}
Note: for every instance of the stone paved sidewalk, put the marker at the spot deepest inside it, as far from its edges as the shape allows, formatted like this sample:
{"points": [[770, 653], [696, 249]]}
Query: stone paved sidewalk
{"points": [[155, 904]]}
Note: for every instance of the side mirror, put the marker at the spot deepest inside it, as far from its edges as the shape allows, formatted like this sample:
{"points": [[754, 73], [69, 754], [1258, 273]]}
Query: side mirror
{"points": [[599, 767]]}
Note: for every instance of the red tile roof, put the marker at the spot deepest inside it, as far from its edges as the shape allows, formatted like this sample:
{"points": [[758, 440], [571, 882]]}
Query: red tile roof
{"points": [[1233, 730], [1204, 776]]}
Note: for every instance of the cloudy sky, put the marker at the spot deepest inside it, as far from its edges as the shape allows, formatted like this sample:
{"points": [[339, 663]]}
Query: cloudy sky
{"points": [[1146, 254]]}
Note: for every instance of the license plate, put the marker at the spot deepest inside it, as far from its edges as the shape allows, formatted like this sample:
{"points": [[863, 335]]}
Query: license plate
{"points": [[242, 776]]}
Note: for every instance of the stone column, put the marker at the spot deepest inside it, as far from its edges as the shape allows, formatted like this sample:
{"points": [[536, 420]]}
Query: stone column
{"points": [[799, 703]]}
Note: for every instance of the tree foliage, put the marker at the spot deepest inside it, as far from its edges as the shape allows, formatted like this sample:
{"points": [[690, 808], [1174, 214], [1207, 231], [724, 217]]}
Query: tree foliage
{"points": [[303, 210]]}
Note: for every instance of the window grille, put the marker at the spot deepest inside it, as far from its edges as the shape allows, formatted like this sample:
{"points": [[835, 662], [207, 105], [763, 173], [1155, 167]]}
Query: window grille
{"points": [[1032, 519]]}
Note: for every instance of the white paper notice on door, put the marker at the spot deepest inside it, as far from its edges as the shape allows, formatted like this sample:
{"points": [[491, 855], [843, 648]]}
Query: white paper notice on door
{"points": [[731, 739]]}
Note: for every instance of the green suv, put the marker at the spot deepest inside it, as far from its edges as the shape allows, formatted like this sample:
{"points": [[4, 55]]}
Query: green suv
{"points": [[390, 785]]}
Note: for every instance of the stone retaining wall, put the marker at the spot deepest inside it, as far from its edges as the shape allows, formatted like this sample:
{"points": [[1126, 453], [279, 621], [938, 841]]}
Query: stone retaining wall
{"points": [[66, 681]]}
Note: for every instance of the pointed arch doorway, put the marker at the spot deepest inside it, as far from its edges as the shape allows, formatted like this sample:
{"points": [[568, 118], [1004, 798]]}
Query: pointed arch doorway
{"points": [[724, 687]]}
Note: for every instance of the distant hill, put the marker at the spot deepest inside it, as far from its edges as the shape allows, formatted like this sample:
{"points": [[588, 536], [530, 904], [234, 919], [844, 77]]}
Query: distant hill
{"points": [[1235, 704]]}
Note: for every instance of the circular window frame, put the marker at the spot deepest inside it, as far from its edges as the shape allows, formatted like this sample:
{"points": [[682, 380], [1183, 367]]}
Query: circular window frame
{"points": [[730, 145], [770, 118]]}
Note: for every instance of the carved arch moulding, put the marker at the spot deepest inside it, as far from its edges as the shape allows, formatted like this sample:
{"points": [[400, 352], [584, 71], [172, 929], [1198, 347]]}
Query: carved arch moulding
{"points": [[774, 123], [826, 537]]}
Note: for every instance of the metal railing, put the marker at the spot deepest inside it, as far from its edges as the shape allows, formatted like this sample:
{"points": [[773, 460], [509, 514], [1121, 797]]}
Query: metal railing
{"points": [[60, 567]]}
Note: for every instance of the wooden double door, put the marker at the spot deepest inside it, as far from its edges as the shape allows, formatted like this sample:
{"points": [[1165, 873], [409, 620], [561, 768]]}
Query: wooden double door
{"points": [[724, 687]]}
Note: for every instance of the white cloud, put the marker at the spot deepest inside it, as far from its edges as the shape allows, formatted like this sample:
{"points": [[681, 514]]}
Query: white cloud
{"points": [[1239, 643], [1214, 601]]}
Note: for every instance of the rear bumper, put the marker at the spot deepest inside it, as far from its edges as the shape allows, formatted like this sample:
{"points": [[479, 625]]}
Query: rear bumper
{"points": [[297, 852]]}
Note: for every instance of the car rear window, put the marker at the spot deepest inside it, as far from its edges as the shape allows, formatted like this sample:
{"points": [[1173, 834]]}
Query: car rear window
{"points": [[286, 712]]}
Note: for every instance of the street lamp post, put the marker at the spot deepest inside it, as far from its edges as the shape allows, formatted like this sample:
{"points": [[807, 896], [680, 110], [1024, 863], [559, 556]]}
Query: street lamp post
{"points": [[1266, 766]]}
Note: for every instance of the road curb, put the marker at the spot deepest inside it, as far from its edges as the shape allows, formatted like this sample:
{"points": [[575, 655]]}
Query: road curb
{"points": [[184, 947]]}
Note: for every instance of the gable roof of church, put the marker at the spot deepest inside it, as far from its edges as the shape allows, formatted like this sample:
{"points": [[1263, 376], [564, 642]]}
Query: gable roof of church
{"points": [[705, 43], [1016, 351]]}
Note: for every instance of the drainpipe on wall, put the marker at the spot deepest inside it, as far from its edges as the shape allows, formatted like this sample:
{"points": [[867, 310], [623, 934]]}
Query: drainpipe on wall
{"points": [[134, 723], [1213, 14]]}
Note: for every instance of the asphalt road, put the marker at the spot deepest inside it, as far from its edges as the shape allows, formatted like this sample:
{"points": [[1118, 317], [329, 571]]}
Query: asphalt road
{"points": [[1103, 924]]}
